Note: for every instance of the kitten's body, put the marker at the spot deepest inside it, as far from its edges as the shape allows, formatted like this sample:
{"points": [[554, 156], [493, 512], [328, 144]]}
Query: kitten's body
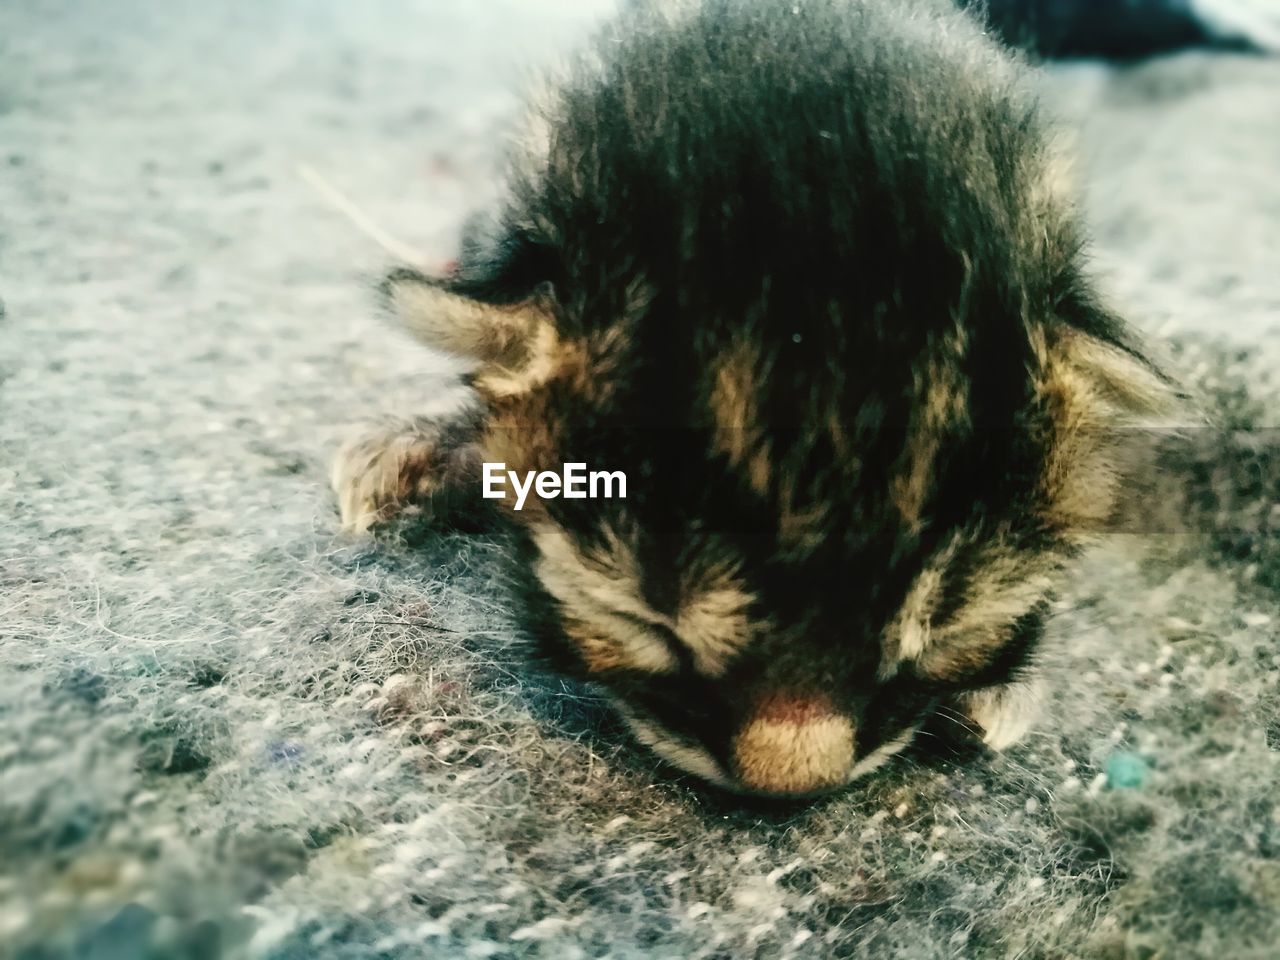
{"points": [[804, 273]]}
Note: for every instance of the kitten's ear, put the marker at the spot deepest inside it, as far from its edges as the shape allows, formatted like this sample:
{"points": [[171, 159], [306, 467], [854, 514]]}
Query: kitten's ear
{"points": [[1109, 379], [1111, 410], [512, 342]]}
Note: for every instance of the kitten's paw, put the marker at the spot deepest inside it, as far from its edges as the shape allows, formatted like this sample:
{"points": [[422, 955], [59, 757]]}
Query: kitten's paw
{"points": [[377, 474], [1002, 715]]}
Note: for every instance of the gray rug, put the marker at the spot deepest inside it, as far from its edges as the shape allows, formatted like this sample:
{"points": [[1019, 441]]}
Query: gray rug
{"points": [[226, 731]]}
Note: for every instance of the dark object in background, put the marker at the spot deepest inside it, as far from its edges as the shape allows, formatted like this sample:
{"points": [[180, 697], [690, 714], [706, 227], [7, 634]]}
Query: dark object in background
{"points": [[1114, 29]]}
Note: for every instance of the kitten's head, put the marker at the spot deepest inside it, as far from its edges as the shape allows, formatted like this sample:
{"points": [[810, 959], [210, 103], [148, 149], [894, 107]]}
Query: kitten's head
{"points": [[804, 281]]}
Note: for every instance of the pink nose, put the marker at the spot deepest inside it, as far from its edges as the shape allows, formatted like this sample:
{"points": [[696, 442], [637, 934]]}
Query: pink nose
{"points": [[794, 745]]}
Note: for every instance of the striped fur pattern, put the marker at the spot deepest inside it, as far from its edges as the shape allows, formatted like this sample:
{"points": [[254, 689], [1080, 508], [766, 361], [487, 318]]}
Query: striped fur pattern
{"points": [[805, 273]]}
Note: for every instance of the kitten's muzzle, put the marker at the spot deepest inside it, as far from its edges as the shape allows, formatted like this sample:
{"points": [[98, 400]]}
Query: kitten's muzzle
{"points": [[793, 745]]}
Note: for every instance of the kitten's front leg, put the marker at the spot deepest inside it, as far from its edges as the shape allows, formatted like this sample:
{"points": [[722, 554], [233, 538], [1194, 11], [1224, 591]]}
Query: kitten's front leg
{"points": [[428, 464]]}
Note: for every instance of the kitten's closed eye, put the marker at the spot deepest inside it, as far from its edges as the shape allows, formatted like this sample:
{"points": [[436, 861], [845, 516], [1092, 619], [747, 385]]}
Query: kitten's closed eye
{"points": [[600, 590]]}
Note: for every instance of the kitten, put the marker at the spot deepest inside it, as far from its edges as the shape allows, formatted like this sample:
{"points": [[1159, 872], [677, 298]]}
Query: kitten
{"points": [[804, 273]]}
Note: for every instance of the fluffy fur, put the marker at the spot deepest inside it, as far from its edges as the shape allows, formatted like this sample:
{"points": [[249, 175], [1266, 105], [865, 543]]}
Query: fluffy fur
{"points": [[807, 275], [226, 730]]}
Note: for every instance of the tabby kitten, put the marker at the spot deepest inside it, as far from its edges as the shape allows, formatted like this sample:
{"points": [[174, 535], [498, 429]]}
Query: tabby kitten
{"points": [[804, 272]]}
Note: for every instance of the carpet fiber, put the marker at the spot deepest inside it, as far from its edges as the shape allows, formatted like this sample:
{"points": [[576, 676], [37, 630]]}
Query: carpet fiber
{"points": [[226, 731]]}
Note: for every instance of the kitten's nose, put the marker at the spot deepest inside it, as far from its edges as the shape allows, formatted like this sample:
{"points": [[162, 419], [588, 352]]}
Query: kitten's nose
{"points": [[794, 744]]}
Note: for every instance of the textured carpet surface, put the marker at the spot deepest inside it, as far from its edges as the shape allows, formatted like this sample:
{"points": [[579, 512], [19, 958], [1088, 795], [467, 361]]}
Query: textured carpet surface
{"points": [[226, 731]]}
